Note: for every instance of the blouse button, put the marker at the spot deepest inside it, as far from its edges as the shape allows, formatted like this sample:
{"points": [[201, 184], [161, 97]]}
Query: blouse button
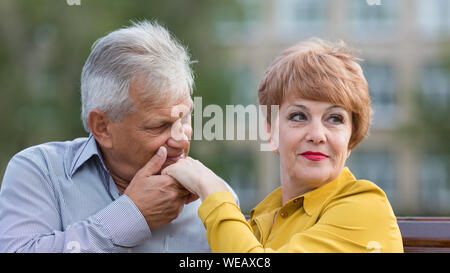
{"points": [[283, 214], [296, 200]]}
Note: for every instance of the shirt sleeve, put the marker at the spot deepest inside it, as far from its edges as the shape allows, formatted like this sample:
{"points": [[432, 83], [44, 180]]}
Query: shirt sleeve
{"points": [[30, 219], [356, 223]]}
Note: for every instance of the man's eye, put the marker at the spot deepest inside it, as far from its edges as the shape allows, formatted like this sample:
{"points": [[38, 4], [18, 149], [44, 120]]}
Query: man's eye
{"points": [[336, 119], [158, 127], [298, 116], [186, 117]]}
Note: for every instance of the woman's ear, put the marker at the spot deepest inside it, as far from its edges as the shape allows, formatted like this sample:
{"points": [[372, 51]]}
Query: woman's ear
{"points": [[273, 137], [100, 124]]}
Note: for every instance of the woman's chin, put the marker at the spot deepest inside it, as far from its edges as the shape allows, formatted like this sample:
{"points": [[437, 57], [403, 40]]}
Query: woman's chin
{"points": [[315, 173]]}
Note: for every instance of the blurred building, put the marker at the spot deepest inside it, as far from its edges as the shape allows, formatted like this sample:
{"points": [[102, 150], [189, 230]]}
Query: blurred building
{"points": [[401, 43]]}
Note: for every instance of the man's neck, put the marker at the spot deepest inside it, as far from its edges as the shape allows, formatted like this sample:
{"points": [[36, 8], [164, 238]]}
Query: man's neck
{"points": [[121, 183]]}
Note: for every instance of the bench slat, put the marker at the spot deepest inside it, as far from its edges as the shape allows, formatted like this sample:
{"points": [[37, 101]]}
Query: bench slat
{"points": [[425, 234]]}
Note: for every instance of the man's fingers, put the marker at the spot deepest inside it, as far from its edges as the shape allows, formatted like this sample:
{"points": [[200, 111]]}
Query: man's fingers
{"points": [[191, 198], [155, 163]]}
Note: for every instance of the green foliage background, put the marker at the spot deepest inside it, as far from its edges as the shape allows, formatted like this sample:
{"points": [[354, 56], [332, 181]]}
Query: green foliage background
{"points": [[44, 44]]}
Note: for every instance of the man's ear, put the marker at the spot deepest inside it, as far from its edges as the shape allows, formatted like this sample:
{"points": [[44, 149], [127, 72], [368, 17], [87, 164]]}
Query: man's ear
{"points": [[100, 126]]}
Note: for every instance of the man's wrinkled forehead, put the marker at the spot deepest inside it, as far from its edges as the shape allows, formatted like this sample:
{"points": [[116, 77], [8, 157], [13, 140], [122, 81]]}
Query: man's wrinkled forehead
{"points": [[144, 97], [167, 111], [176, 109]]}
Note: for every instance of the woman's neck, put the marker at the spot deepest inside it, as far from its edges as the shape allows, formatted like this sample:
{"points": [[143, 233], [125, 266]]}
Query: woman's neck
{"points": [[291, 188]]}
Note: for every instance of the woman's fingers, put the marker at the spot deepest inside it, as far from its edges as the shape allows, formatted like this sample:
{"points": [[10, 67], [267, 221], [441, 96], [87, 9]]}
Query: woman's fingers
{"points": [[185, 173], [195, 177]]}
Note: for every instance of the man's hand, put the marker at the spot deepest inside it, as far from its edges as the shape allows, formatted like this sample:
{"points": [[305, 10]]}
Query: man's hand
{"points": [[160, 198]]}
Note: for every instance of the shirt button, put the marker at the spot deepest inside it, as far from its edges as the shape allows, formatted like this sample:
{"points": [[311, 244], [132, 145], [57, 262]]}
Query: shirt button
{"points": [[283, 214], [296, 200]]}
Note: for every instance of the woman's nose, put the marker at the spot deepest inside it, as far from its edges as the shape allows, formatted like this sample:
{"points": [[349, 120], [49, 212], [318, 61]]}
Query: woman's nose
{"points": [[316, 133]]}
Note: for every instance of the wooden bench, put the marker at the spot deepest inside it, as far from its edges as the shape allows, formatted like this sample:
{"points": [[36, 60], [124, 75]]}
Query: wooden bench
{"points": [[425, 234]]}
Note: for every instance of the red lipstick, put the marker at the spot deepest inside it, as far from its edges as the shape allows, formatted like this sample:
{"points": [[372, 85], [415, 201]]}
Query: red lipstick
{"points": [[314, 156]]}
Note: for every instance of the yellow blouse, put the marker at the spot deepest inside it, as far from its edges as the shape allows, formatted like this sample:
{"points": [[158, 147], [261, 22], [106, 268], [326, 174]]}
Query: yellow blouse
{"points": [[344, 215]]}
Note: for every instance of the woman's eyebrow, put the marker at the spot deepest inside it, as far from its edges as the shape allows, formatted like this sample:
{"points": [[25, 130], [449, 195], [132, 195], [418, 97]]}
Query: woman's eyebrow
{"points": [[300, 106], [335, 106], [307, 109]]}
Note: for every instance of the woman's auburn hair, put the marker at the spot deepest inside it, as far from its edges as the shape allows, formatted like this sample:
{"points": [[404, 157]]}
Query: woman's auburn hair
{"points": [[321, 71]]}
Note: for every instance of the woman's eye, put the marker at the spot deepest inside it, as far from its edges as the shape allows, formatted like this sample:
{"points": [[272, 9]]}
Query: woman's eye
{"points": [[297, 116], [336, 119]]}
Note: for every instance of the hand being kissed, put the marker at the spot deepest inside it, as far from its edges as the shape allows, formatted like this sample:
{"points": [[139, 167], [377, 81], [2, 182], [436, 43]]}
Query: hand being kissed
{"points": [[195, 177]]}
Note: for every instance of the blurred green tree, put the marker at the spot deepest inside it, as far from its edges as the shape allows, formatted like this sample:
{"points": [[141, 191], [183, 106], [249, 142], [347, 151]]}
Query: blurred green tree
{"points": [[428, 126], [44, 44]]}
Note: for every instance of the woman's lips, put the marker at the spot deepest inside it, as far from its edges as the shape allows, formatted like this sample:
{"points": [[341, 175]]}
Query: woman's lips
{"points": [[314, 156]]}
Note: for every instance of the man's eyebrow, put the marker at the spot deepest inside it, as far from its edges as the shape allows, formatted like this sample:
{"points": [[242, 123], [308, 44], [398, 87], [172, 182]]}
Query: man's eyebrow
{"points": [[156, 120]]}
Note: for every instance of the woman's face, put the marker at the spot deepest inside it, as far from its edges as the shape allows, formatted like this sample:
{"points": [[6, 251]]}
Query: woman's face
{"points": [[313, 141]]}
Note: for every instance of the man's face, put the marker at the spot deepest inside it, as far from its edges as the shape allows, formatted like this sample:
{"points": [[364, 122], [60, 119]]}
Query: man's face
{"points": [[139, 135]]}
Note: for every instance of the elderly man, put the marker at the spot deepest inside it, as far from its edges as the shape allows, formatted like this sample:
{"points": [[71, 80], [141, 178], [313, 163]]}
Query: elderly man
{"points": [[105, 193]]}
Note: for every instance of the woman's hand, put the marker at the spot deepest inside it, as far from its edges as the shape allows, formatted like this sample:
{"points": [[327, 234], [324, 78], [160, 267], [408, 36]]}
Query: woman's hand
{"points": [[195, 177]]}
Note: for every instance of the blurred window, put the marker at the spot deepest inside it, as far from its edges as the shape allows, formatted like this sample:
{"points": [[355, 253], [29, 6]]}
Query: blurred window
{"points": [[377, 167], [434, 183], [382, 86], [300, 17], [435, 85], [244, 86], [373, 21], [434, 17]]}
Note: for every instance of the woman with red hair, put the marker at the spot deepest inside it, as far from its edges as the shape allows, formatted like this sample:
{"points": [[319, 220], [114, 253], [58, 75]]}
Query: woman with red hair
{"points": [[324, 113]]}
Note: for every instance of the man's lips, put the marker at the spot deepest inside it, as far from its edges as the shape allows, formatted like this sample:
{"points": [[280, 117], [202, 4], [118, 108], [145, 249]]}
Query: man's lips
{"points": [[314, 156], [171, 159], [175, 158]]}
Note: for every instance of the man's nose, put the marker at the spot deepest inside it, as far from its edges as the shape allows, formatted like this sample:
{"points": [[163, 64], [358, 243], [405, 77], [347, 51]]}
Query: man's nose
{"points": [[316, 132], [180, 135]]}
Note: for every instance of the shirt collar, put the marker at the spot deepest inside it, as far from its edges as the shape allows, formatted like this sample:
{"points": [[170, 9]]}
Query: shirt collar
{"points": [[272, 201], [86, 151], [312, 200]]}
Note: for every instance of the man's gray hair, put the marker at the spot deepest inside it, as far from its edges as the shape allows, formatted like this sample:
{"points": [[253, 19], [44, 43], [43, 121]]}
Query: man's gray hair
{"points": [[143, 49]]}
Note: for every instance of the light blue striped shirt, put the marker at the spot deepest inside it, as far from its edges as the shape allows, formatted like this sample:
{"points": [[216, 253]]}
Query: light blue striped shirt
{"points": [[59, 197]]}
